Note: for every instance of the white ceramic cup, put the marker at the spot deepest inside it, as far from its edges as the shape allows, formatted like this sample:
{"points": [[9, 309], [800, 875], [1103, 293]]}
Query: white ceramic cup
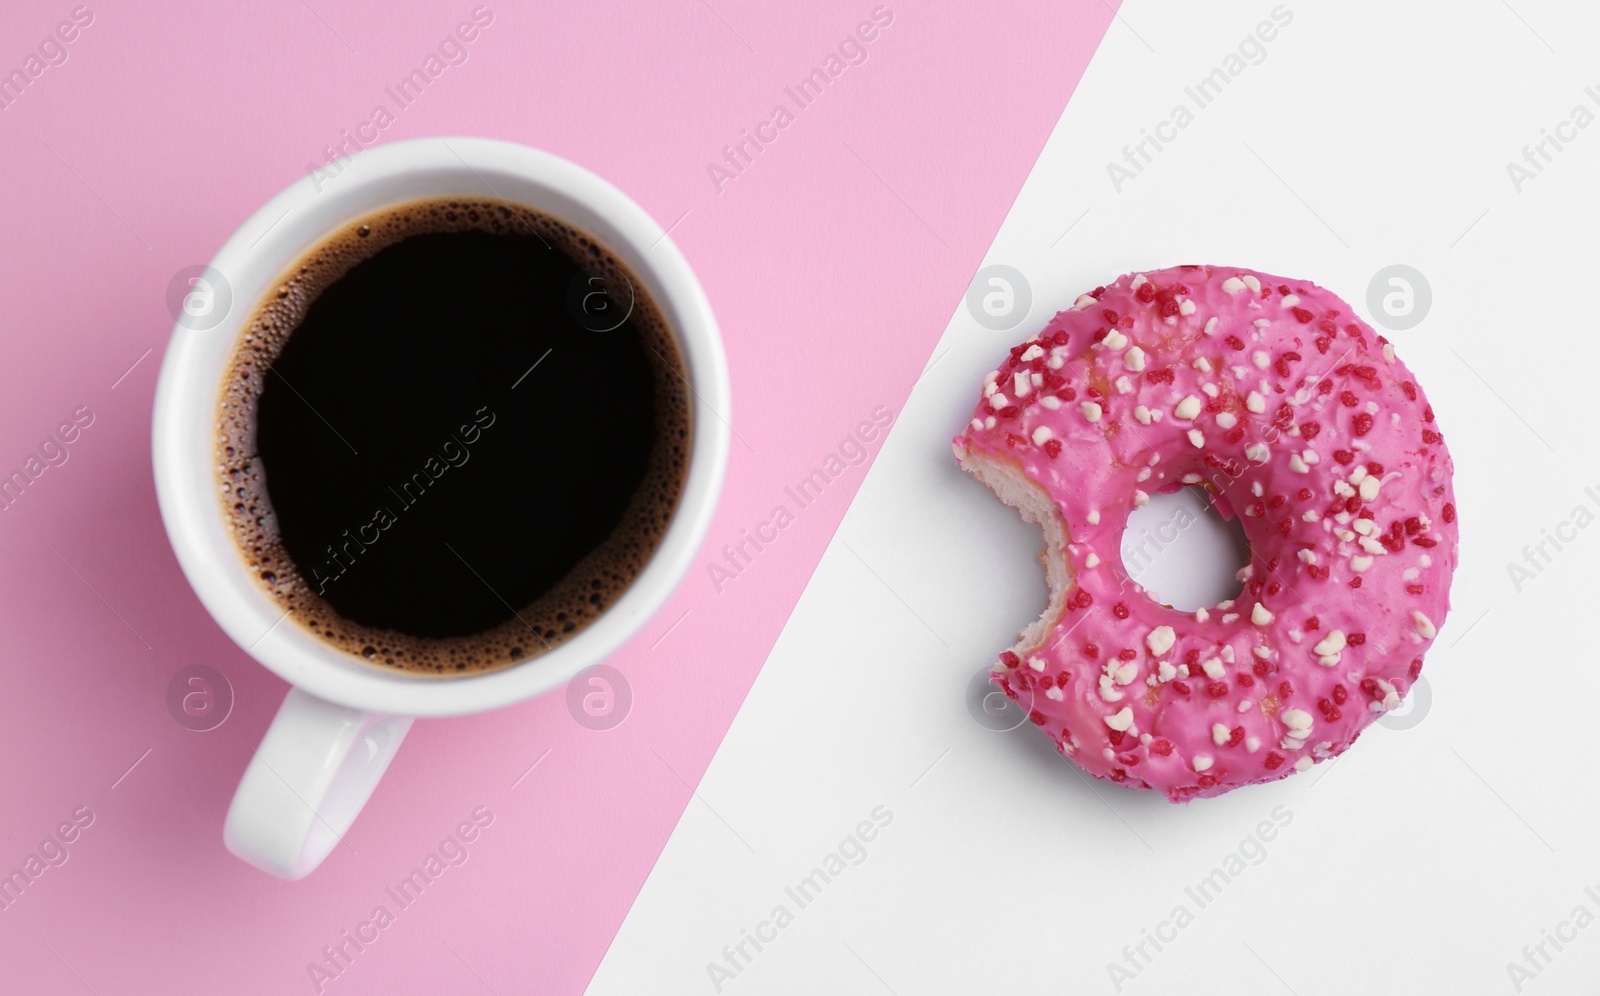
{"points": [[343, 719]]}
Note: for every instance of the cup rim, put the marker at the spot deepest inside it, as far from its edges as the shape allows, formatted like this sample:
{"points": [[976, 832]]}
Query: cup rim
{"points": [[262, 250]]}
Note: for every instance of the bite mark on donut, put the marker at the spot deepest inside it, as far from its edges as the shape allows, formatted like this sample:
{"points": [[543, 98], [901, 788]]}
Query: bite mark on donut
{"points": [[1012, 486]]}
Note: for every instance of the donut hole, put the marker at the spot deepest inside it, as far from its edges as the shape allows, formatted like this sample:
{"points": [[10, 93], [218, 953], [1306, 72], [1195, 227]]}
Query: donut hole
{"points": [[1182, 552]]}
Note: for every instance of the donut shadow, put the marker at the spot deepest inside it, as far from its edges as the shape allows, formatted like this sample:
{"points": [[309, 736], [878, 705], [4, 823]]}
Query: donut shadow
{"points": [[1036, 752]]}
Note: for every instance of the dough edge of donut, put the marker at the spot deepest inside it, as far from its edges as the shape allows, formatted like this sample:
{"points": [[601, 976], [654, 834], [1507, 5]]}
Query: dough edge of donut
{"points": [[1011, 484]]}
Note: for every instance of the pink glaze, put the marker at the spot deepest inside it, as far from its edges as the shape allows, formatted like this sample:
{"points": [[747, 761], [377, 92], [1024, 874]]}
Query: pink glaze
{"points": [[1303, 419]]}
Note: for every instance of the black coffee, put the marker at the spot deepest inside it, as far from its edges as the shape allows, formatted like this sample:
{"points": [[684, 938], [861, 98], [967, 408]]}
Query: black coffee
{"points": [[453, 435]]}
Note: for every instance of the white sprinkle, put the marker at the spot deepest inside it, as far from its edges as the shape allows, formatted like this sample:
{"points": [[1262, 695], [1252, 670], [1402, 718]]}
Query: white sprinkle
{"points": [[1092, 560], [977, 424], [1201, 615], [1260, 359], [1185, 307], [1036, 662], [1226, 653], [1226, 420], [1372, 546], [1260, 616], [1142, 414], [1114, 340], [1261, 323], [1202, 762], [1144, 474], [1309, 456], [1138, 281], [1210, 389], [988, 423], [1219, 734], [1050, 401], [1197, 438], [1021, 383], [1255, 403], [1091, 411], [1329, 648], [1424, 625], [1160, 640], [1290, 300], [1233, 285], [1304, 764], [1166, 671], [1369, 488], [1251, 282], [1084, 301], [1391, 698], [1055, 694], [1124, 385], [1258, 453], [1188, 408], [1228, 617], [1360, 564], [1094, 516], [1056, 361], [1191, 478], [1134, 359], [1307, 556], [1245, 705], [1212, 666], [1140, 498], [1298, 721], [1201, 364], [1298, 465], [998, 401], [1252, 744], [1032, 353], [1121, 720], [1211, 324]]}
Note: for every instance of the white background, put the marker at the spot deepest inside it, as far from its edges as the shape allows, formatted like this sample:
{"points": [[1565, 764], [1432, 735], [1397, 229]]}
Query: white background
{"points": [[1373, 133]]}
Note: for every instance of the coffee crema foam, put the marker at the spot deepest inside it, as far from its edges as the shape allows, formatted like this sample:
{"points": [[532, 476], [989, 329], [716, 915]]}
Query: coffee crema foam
{"points": [[598, 579]]}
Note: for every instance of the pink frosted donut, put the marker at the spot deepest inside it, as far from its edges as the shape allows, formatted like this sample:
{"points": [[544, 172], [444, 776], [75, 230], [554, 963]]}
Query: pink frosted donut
{"points": [[1282, 404]]}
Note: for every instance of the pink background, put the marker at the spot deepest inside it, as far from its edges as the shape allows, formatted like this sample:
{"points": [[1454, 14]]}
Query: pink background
{"points": [[832, 273]]}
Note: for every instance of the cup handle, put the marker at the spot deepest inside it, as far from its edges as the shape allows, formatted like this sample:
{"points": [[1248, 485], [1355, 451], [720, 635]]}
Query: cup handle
{"points": [[314, 770]]}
